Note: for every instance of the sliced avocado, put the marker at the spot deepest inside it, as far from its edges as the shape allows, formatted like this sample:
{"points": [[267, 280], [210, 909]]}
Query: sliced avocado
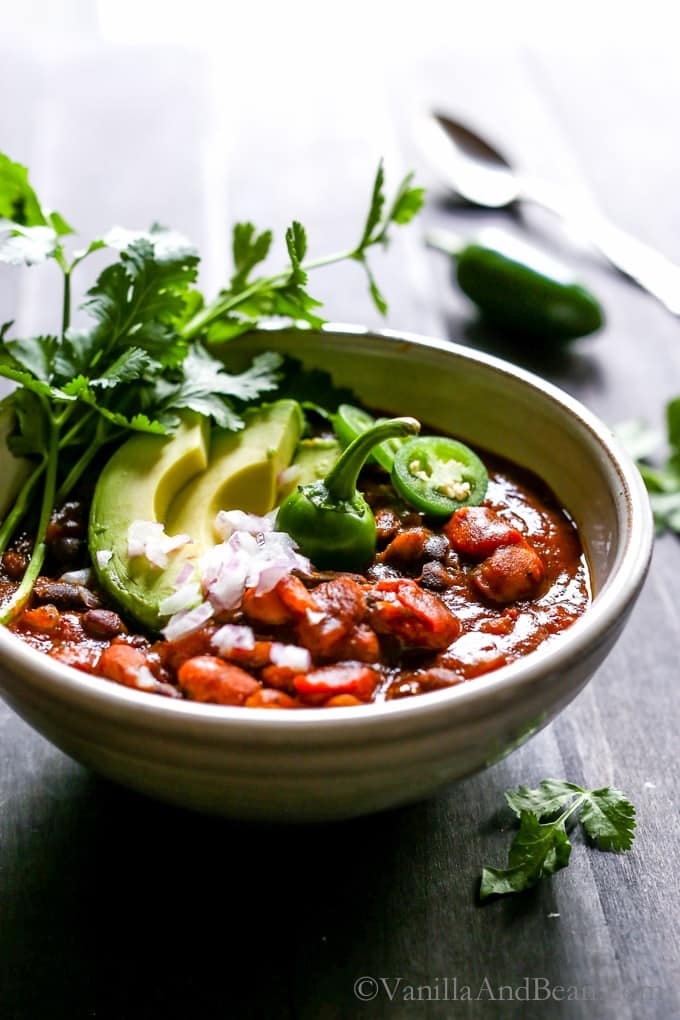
{"points": [[138, 483], [312, 461], [15, 470], [242, 473]]}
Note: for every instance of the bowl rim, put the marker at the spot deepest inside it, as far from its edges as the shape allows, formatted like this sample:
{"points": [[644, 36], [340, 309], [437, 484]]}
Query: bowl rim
{"points": [[115, 701]]}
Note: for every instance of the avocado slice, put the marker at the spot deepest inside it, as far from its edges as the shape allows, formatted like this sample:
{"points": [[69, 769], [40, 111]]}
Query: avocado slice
{"points": [[242, 473], [138, 483], [312, 461], [15, 470]]}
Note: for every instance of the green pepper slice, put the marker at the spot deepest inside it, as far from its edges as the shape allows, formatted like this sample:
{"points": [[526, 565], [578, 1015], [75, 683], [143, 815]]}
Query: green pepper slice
{"points": [[329, 519], [438, 475], [350, 421]]}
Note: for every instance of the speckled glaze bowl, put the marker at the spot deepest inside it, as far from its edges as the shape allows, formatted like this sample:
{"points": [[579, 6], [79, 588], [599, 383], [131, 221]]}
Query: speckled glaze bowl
{"points": [[313, 765]]}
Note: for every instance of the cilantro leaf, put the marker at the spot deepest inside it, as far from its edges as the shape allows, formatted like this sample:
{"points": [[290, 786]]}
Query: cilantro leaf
{"points": [[541, 847], [407, 203], [296, 243], [137, 300], [375, 209], [663, 482], [248, 249], [18, 200], [26, 246], [36, 355], [206, 386], [129, 366], [609, 818], [638, 438], [30, 436], [547, 799], [537, 851], [10, 369]]}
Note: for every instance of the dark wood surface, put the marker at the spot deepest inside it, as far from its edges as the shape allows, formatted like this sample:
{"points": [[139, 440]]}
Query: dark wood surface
{"points": [[115, 907]]}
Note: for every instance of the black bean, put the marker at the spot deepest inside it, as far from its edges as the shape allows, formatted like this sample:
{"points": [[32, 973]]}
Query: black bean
{"points": [[15, 564], [102, 623], [435, 576], [437, 547], [65, 595]]}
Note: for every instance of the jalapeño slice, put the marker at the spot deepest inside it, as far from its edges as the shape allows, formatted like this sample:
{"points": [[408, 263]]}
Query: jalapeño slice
{"points": [[438, 475]]}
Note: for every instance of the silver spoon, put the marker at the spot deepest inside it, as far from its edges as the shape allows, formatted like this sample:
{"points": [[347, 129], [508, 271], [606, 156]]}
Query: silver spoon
{"points": [[482, 175]]}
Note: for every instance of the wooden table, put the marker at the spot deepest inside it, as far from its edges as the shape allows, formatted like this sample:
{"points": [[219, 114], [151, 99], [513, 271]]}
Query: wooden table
{"points": [[115, 907]]}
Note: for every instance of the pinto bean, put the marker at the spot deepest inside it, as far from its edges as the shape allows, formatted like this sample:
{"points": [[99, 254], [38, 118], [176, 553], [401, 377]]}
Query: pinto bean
{"points": [[329, 626], [342, 701], [266, 609], [208, 679], [173, 653], [102, 623], [416, 618], [407, 548], [476, 532], [128, 666], [512, 572], [344, 678], [265, 697]]}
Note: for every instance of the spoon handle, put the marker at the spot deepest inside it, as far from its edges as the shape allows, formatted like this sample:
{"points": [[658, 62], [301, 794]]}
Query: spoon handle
{"points": [[639, 261]]}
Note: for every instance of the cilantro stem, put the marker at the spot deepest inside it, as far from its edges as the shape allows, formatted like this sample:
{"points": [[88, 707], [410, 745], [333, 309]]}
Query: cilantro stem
{"points": [[66, 312], [195, 326], [21, 506], [570, 809], [24, 590], [78, 470]]}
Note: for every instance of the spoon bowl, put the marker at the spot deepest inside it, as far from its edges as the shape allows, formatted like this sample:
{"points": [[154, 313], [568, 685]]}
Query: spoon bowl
{"points": [[476, 170]]}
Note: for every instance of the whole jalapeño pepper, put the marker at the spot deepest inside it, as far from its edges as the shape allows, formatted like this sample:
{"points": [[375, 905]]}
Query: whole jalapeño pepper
{"points": [[330, 520], [521, 288]]}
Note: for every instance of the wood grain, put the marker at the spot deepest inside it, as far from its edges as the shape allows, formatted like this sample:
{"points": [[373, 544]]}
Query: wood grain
{"points": [[114, 907]]}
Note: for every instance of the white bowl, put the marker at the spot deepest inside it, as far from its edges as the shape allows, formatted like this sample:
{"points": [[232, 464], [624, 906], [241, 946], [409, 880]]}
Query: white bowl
{"points": [[313, 764]]}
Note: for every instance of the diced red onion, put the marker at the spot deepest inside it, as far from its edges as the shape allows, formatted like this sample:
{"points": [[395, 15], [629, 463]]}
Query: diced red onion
{"points": [[229, 521], [148, 539], [314, 616], [83, 577], [187, 621], [185, 574], [231, 636], [103, 556], [291, 656], [186, 597], [145, 678]]}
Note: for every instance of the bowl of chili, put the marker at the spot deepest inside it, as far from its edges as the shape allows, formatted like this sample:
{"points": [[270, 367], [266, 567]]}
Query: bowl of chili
{"points": [[564, 503]]}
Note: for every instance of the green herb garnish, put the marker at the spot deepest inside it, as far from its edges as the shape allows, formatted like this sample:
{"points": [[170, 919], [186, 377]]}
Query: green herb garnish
{"points": [[146, 354], [663, 483], [542, 847]]}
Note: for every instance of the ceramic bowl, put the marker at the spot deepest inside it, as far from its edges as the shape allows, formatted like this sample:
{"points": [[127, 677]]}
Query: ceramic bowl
{"points": [[313, 765]]}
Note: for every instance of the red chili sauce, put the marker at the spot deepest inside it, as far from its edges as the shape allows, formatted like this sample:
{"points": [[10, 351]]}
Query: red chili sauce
{"points": [[441, 604]]}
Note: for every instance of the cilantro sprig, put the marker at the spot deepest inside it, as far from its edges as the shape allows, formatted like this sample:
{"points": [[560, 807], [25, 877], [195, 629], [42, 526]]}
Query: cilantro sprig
{"points": [[663, 482], [247, 299], [144, 360], [542, 847]]}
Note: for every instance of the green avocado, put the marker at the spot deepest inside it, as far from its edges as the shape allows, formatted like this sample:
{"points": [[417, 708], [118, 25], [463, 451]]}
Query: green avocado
{"points": [[312, 461], [242, 473], [138, 484], [15, 470]]}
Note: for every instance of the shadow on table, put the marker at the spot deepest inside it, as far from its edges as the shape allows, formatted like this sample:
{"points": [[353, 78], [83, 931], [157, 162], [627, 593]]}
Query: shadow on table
{"points": [[564, 364], [130, 908]]}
